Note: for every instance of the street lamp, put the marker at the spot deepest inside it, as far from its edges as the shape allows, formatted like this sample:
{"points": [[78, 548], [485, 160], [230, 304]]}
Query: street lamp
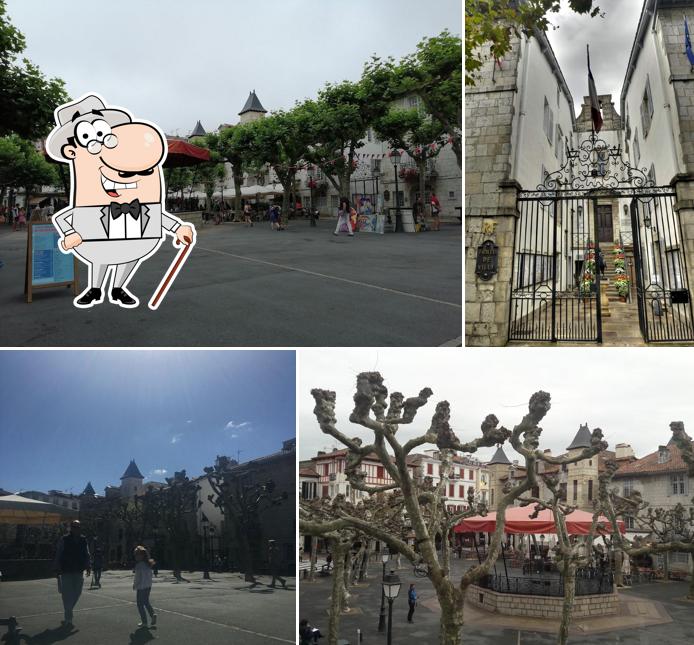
{"points": [[309, 174], [385, 556], [376, 174], [205, 523], [391, 589], [395, 160]]}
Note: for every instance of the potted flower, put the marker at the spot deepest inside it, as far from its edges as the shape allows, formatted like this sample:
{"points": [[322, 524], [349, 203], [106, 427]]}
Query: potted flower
{"points": [[621, 283]]}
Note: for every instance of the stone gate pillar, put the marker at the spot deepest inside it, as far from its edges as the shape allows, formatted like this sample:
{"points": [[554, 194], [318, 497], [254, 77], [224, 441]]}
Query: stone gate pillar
{"points": [[684, 205], [487, 302]]}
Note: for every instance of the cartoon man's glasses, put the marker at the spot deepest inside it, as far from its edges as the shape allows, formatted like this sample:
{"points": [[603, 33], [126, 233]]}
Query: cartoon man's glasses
{"points": [[93, 136]]}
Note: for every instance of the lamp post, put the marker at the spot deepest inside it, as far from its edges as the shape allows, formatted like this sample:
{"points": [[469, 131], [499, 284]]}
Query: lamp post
{"points": [[395, 160], [385, 556], [376, 173], [212, 546], [309, 174], [391, 589], [206, 567]]}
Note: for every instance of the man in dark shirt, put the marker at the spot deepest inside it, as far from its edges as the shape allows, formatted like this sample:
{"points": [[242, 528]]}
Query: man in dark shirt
{"points": [[71, 560]]}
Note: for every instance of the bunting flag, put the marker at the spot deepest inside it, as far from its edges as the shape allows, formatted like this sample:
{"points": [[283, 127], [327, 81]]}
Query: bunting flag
{"points": [[688, 43], [594, 102]]}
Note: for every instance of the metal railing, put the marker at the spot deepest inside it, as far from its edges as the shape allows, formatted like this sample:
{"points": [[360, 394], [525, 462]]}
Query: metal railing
{"points": [[547, 586]]}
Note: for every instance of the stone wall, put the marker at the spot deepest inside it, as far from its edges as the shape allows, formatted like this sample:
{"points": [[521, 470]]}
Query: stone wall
{"points": [[541, 606]]}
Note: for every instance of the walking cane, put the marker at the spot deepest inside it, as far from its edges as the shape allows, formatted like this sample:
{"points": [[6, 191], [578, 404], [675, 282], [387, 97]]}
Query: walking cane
{"points": [[175, 267]]}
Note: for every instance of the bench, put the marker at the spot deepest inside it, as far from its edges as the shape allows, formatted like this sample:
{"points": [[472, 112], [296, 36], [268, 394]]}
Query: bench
{"points": [[305, 568]]}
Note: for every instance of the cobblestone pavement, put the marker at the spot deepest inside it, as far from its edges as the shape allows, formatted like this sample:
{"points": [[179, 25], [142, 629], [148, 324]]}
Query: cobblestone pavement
{"points": [[224, 609], [251, 287], [641, 604]]}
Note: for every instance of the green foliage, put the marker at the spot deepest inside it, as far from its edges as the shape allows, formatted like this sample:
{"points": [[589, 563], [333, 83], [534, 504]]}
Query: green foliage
{"points": [[27, 98], [434, 73], [420, 135], [490, 24], [22, 166], [177, 179]]}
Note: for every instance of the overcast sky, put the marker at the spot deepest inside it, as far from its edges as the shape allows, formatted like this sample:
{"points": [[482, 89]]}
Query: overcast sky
{"points": [[631, 394], [610, 39], [176, 61]]}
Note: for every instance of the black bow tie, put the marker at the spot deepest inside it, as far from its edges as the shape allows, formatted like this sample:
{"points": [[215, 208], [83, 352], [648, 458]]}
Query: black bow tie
{"points": [[118, 209]]}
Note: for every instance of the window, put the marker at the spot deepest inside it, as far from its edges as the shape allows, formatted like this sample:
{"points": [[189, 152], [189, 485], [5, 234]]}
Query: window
{"points": [[451, 194], [369, 135], [492, 497], [533, 268], [379, 472], [562, 491], [430, 469], [471, 475], [558, 149], [319, 173], [575, 497], [548, 122], [461, 491], [375, 165], [646, 108], [637, 149], [627, 487], [629, 522], [673, 261], [678, 484], [326, 470], [590, 490], [451, 490]]}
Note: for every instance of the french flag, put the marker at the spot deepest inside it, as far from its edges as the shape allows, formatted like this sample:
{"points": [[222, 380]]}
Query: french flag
{"points": [[594, 103]]}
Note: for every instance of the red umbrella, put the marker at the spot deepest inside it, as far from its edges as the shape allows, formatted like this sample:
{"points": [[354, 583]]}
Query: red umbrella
{"points": [[182, 153], [518, 520]]}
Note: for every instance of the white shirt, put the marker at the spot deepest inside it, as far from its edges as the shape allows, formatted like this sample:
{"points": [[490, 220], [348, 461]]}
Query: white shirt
{"points": [[143, 576], [124, 227]]}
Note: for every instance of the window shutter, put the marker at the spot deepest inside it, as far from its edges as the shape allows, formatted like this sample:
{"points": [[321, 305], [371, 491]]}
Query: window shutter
{"points": [[650, 99]]}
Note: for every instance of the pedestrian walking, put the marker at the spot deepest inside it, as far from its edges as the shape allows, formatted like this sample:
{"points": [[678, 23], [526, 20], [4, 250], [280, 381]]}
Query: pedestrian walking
{"points": [[21, 220], [71, 561], [247, 218], [435, 212], [97, 565], [275, 563], [343, 217], [143, 585], [412, 602], [329, 560]]}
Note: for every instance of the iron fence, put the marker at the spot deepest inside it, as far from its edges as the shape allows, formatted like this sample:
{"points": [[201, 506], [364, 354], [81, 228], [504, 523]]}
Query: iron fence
{"points": [[547, 586]]}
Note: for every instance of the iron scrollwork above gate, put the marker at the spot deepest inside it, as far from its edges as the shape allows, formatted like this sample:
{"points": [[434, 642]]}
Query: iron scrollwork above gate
{"points": [[596, 168]]}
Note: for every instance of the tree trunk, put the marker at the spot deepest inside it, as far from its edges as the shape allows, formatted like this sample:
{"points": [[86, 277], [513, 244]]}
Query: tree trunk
{"points": [[451, 602], [364, 568], [666, 565], [344, 601], [567, 606], [238, 180], [336, 597], [445, 552], [618, 576], [422, 167], [312, 570]]}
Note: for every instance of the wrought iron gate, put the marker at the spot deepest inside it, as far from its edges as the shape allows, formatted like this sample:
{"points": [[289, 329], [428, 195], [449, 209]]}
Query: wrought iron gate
{"points": [[555, 282], [553, 296], [662, 287]]}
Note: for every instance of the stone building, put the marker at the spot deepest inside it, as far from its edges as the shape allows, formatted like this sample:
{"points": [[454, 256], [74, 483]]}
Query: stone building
{"points": [[663, 480], [578, 481], [530, 159]]}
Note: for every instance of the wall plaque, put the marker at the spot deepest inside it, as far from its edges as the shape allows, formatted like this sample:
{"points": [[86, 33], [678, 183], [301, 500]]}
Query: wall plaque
{"points": [[487, 260]]}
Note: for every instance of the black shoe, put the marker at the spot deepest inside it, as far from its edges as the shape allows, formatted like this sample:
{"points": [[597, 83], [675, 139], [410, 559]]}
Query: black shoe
{"points": [[122, 297], [89, 298]]}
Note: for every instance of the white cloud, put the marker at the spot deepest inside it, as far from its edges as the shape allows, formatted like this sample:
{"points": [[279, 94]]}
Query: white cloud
{"points": [[232, 425], [234, 436], [189, 421], [158, 471], [177, 437]]}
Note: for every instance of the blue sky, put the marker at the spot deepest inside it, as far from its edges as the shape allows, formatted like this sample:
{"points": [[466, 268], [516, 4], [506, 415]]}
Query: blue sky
{"points": [[69, 417]]}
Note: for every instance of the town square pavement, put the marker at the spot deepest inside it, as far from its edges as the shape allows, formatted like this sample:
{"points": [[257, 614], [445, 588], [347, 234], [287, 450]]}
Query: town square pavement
{"points": [[224, 609], [662, 602], [300, 287]]}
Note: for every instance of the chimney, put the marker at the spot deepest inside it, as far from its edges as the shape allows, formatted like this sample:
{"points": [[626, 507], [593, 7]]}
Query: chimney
{"points": [[624, 451], [320, 453]]}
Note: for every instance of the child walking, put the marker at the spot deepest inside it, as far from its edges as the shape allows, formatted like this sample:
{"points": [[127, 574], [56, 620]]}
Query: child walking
{"points": [[143, 584]]}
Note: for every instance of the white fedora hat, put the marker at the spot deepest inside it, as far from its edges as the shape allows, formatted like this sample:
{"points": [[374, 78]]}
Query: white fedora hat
{"points": [[67, 116]]}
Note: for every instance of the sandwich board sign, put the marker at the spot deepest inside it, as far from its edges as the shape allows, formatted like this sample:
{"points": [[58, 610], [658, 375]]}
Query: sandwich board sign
{"points": [[46, 265]]}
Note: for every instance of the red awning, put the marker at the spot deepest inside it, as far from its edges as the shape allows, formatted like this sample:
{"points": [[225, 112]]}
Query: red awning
{"points": [[518, 520], [182, 153]]}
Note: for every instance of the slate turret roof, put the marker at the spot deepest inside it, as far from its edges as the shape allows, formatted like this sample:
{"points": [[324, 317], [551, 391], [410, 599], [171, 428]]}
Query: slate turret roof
{"points": [[252, 104], [132, 471]]}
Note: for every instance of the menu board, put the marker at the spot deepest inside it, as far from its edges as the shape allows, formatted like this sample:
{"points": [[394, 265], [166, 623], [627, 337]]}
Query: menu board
{"points": [[46, 265]]}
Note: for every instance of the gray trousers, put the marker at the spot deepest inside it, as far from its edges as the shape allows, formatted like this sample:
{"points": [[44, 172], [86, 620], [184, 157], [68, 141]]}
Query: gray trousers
{"points": [[71, 590]]}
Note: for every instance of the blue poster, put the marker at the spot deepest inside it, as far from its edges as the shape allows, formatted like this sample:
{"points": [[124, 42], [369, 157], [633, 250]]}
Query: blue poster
{"points": [[48, 264]]}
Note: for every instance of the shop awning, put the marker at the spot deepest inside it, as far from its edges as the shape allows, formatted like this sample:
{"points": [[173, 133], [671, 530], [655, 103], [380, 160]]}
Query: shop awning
{"points": [[518, 520], [15, 509], [182, 153]]}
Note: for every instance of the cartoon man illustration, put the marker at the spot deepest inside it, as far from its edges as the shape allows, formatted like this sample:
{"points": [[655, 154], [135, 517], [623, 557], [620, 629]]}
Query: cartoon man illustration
{"points": [[115, 218]]}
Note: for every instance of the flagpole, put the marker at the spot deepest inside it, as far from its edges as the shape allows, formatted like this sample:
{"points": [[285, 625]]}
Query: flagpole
{"points": [[592, 125]]}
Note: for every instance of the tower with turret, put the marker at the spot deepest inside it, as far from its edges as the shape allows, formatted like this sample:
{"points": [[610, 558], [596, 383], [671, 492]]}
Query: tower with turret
{"points": [[131, 482], [252, 110]]}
